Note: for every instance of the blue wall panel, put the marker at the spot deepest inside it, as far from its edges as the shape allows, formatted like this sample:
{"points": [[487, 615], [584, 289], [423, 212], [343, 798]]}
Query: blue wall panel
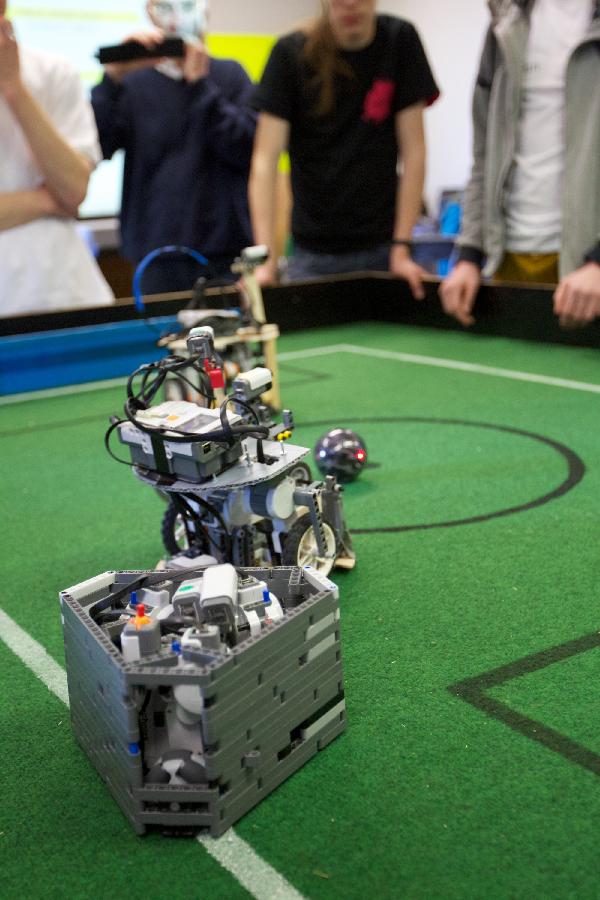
{"points": [[77, 355]]}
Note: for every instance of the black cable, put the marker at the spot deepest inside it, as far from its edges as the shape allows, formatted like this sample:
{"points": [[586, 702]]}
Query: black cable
{"points": [[147, 579], [213, 512], [153, 376], [242, 403], [187, 512], [191, 384], [113, 426], [260, 455], [227, 435], [175, 624], [159, 370]]}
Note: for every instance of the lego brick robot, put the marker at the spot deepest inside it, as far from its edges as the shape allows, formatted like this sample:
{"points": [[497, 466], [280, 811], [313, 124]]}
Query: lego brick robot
{"points": [[236, 488], [196, 691]]}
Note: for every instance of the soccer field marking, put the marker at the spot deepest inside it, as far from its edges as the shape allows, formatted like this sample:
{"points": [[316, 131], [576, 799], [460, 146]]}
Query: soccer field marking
{"points": [[231, 852], [474, 690], [410, 358], [475, 368], [315, 351], [34, 657], [257, 876], [66, 391]]}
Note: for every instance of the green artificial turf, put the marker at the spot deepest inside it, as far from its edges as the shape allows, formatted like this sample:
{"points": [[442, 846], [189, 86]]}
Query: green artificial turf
{"points": [[424, 795]]}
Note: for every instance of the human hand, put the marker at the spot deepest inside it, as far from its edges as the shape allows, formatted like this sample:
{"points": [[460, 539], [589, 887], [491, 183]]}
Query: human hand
{"points": [[403, 266], [151, 39], [10, 70], [196, 62], [266, 274], [577, 297], [458, 291]]}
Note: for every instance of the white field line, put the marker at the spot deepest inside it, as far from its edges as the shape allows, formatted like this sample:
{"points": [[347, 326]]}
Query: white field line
{"points": [[477, 369], [411, 358], [315, 351], [65, 391], [230, 851], [34, 656], [238, 857]]}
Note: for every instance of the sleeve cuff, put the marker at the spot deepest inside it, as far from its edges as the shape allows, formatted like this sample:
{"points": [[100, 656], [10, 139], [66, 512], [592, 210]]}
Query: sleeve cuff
{"points": [[110, 87], [470, 254], [593, 255]]}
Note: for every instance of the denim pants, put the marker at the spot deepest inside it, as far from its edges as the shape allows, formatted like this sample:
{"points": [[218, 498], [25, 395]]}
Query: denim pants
{"points": [[305, 264]]}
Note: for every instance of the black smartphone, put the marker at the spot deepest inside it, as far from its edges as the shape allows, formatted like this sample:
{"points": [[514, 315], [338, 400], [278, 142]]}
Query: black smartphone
{"points": [[132, 50]]}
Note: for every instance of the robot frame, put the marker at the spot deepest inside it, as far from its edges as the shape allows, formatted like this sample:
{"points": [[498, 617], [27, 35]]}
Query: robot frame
{"points": [[237, 491]]}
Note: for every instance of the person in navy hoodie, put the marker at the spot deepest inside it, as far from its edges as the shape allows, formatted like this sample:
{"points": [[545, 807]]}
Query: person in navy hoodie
{"points": [[187, 130], [345, 95]]}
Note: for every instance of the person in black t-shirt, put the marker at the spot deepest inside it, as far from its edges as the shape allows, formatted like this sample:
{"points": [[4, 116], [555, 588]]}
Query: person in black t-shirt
{"points": [[345, 96]]}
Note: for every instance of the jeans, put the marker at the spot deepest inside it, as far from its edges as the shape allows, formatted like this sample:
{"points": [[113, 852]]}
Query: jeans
{"points": [[305, 264]]}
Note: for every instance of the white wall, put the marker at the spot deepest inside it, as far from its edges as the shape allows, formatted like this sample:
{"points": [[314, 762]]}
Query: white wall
{"points": [[452, 32], [259, 16]]}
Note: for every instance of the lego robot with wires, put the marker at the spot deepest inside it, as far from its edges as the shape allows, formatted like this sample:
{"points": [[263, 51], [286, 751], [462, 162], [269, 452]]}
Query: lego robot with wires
{"points": [[237, 490]]}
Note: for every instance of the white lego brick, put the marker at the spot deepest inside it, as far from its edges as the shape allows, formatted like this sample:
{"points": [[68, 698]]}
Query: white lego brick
{"points": [[80, 591], [320, 581]]}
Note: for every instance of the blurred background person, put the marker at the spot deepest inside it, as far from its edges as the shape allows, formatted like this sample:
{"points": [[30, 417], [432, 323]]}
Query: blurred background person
{"points": [[345, 96], [48, 149], [532, 207], [187, 132]]}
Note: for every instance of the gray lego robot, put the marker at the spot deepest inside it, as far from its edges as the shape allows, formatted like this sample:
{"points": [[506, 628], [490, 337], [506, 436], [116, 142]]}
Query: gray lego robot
{"points": [[196, 691], [236, 489]]}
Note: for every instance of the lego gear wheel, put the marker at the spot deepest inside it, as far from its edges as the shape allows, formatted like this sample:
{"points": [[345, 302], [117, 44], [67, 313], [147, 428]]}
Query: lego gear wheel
{"points": [[301, 549], [301, 473]]}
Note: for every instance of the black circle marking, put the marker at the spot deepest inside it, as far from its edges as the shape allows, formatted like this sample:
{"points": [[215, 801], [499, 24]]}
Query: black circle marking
{"points": [[575, 473]]}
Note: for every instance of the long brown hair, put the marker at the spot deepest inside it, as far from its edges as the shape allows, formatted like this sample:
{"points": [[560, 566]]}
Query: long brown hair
{"points": [[322, 55]]}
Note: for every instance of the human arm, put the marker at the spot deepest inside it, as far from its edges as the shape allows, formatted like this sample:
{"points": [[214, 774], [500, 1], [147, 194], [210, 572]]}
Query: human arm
{"points": [[20, 207], [221, 112], [410, 137], [459, 290], [110, 100], [271, 141], [65, 171]]}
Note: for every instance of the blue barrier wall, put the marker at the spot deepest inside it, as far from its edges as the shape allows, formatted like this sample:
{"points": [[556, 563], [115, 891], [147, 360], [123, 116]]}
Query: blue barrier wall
{"points": [[50, 359]]}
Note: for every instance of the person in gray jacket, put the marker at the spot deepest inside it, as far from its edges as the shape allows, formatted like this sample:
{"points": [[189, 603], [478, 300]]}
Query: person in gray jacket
{"points": [[532, 206]]}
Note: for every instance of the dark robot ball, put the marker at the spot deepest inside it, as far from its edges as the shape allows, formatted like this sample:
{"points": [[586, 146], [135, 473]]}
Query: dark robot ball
{"points": [[342, 453]]}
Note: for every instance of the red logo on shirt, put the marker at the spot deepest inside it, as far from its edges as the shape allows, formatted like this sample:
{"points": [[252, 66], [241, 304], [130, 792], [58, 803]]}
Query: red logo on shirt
{"points": [[378, 102]]}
